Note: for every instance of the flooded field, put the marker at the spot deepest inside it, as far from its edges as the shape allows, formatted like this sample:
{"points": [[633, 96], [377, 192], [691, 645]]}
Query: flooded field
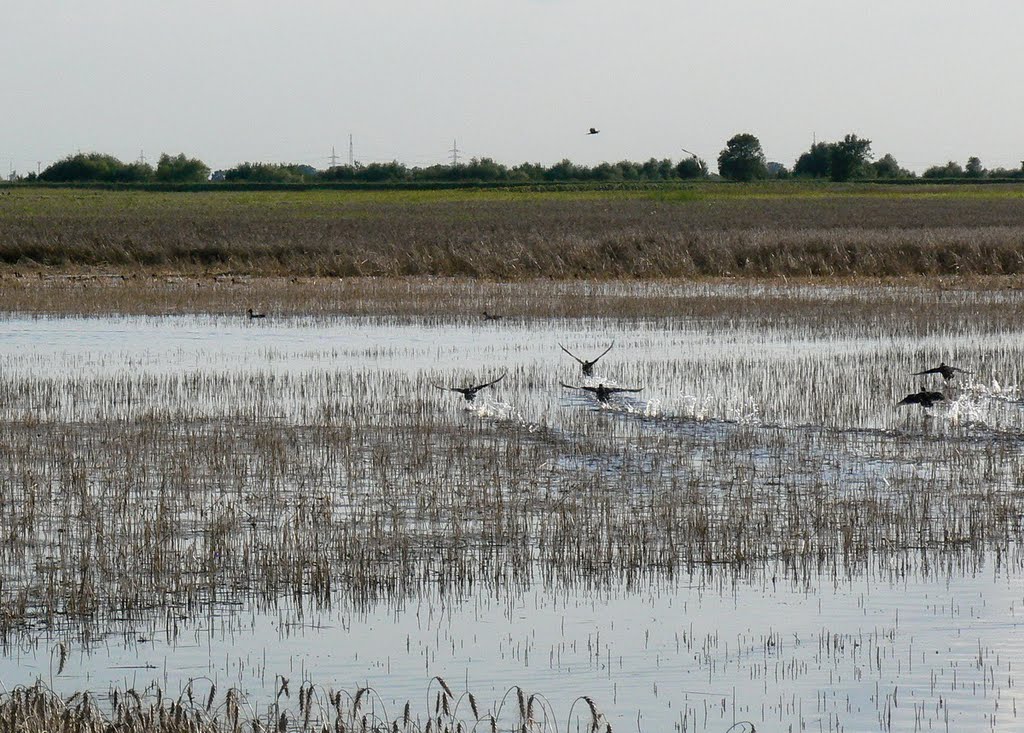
{"points": [[253, 515]]}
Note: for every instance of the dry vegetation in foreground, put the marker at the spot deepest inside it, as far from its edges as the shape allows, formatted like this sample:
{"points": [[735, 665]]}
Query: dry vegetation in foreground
{"points": [[203, 708], [796, 231]]}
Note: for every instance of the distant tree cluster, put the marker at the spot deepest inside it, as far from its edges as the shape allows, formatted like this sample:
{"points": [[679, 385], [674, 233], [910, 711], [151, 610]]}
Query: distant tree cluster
{"points": [[973, 169], [108, 169], [97, 167], [848, 159], [742, 159]]}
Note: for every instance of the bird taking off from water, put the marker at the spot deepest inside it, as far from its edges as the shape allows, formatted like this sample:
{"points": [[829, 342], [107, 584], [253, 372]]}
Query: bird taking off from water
{"points": [[923, 398], [470, 392], [254, 314], [588, 366], [947, 371], [601, 392], [491, 316], [593, 131]]}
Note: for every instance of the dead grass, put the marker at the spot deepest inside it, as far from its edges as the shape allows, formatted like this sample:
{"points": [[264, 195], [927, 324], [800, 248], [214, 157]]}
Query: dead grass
{"points": [[516, 236]]}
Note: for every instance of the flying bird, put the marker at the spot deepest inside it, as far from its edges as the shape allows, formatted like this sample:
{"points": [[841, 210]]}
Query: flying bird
{"points": [[254, 314], [593, 131], [923, 398], [491, 316], [601, 392], [588, 366], [947, 371], [470, 392]]}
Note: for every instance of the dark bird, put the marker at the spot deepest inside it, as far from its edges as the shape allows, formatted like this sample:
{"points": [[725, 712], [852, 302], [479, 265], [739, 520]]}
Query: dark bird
{"points": [[491, 316], [947, 371], [601, 392], [593, 131], [588, 366], [253, 314], [470, 392], [923, 398]]}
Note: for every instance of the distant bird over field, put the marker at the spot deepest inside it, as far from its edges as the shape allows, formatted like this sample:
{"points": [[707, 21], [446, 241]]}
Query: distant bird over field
{"points": [[947, 371], [254, 314], [601, 392], [593, 131], [588, 366], [923, 398], [469, 393]]}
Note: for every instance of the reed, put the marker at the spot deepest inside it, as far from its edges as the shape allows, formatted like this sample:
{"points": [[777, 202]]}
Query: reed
{"points": [[514, 236]]}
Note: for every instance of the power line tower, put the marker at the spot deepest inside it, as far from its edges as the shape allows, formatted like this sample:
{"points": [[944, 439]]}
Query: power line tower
{"points": [[455, 152], [351, 153], [142, 157], [333, 158]]}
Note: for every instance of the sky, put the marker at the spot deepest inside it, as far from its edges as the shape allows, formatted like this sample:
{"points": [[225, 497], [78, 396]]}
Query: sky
{"points": [[514, 80]]}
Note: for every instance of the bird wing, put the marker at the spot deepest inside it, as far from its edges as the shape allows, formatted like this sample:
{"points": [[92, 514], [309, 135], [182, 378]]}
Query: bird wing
{"points": [[481, 386], [614, 390], [603, 353], [570, 386], [448, 389], [936, 370], [571, 354]]}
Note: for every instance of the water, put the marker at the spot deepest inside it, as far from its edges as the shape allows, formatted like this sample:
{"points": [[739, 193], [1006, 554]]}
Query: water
{"points": [[904, 641]]}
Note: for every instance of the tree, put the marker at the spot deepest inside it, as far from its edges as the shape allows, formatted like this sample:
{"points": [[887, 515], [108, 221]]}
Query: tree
{"points": [[815, 163], [888, 167], [952, 169], [179, 169], [742, 159], [96, 167], [692, 167], [848, 157], [974, 168]]}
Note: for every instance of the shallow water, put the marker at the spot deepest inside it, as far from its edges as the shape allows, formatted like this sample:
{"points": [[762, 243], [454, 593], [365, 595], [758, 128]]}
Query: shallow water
{"points": [[886, 645]]}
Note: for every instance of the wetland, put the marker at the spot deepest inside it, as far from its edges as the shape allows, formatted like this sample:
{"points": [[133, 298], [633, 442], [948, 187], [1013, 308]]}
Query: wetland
{"points": [[210, 522], [284, 520]]}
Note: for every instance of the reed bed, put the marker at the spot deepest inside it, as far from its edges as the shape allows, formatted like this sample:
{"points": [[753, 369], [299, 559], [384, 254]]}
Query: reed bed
{"points": [[917, 307], [510, 236], [131, 493], [203, 708]]}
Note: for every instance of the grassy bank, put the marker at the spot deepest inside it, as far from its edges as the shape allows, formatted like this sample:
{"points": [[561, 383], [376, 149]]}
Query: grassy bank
{"points": [[757, 231]]}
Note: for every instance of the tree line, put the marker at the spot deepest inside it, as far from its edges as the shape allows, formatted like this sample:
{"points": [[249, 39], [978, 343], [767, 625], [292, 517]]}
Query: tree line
{"points": [[742, 159]]}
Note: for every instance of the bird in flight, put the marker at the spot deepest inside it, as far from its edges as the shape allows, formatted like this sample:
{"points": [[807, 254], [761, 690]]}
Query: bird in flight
{"points": [[588, 366], [593, 131], [601, 392], [947, 371], [491, 316], [470, 392], [923, 398], [254, 314]]}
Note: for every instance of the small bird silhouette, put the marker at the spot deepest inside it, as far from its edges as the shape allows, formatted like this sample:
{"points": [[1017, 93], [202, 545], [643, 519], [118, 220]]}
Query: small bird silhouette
{"points": [[491, 316], [601, 392], [923, 398], [947, 371], [593, 131], [470, 392], [253, 314], [588, 366]]}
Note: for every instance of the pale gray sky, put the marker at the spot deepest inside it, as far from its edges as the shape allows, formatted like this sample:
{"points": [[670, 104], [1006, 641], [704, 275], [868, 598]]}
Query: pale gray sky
{"points": [[516, 80]]}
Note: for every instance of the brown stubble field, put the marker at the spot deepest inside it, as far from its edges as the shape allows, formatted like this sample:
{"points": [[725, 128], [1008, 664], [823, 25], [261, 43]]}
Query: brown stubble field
{"points": [[793, 230]]}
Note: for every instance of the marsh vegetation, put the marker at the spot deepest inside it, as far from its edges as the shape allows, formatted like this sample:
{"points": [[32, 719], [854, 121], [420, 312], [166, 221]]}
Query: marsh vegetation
{"points": [[782, 230], [170, 477]]}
